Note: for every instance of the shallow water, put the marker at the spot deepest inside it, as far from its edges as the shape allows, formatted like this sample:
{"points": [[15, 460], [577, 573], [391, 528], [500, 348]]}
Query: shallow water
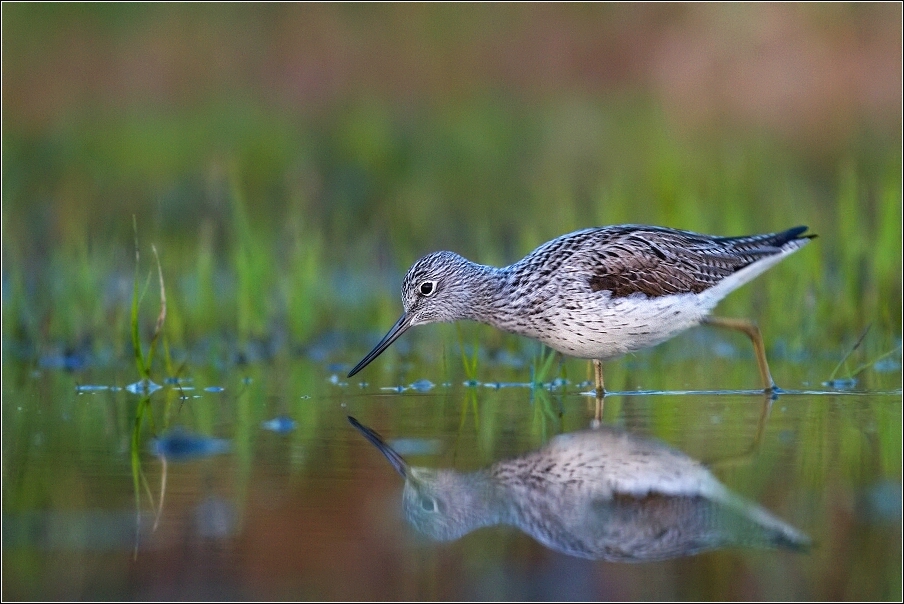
{"points": [[252, 484]]}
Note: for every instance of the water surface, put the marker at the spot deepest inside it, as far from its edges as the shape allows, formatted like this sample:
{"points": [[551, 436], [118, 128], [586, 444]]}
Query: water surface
{"points": [[252, 484]]}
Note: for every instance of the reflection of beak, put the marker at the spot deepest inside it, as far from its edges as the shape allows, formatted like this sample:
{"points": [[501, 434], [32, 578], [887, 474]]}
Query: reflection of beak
{"points": [[398, 329], [394, 458]]}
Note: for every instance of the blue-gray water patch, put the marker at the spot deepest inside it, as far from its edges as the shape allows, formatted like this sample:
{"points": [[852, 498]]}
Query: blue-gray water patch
{"points": [[422, 385], [280, 425], [181, 445]]}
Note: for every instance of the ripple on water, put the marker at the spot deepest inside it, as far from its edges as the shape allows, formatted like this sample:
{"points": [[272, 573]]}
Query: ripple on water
{"points": [[81, 389], [143, 387]]}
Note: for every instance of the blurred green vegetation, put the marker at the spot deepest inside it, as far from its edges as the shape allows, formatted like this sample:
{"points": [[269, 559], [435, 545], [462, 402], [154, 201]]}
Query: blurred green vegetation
{"points": [[279, 219], [267, 223]]}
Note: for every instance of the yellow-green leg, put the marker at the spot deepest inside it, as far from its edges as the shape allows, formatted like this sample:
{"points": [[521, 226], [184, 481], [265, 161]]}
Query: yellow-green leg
{"points": [[759, 349], [598, 412], [600, 393], [598, 376]]}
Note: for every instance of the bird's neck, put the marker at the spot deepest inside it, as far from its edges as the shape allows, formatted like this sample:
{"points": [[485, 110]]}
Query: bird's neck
{"points": [[485, 499], [486, 285], [496, 297]]}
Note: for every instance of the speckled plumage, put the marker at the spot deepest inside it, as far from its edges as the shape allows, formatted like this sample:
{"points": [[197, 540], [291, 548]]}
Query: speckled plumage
{"points": [[601, 494], [595, 293]]}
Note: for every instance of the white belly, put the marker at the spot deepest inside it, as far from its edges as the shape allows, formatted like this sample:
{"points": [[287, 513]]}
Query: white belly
{"points": [[615, 327]]}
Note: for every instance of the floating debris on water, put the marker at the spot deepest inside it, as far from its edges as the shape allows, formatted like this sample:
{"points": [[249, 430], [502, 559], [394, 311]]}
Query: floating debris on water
{"points": [[841, 383], [394, 388], [422, 385], [214, 389], [334, 379], [305, 396], [280, 425], [363, 384], [181, 445], [416, 446], [143, 387], [470, 383]]}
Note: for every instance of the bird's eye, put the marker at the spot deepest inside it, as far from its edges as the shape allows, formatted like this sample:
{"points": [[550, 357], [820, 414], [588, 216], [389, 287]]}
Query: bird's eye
{"points": [[428, 503], [427, 288]]}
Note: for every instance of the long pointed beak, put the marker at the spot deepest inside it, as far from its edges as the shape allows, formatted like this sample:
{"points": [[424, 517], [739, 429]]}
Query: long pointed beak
{"points": [[394, 458], [398, 329]]}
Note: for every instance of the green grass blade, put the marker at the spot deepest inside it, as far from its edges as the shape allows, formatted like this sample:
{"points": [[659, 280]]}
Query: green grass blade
{"points": [[849, 353], [161, 318], [143, 369]]}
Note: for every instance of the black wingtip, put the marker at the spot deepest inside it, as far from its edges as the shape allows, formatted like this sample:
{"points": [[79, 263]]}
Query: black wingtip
{"points": [[793, 234], [798, 233]]}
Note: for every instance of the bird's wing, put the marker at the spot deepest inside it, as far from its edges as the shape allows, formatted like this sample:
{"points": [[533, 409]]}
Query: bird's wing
{"points": [[656, 261]]}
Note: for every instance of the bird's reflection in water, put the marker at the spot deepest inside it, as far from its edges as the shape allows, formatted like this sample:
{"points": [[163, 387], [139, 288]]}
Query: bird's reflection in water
{"points": [[601, 493]]}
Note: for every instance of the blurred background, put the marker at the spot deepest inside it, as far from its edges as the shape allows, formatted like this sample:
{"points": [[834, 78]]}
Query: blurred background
{"points": [[289, 162]]}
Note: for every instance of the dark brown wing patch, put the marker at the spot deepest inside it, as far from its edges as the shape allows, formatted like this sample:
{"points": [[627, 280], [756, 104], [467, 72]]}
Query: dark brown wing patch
{"points": [[624, 284], [656, 262]]}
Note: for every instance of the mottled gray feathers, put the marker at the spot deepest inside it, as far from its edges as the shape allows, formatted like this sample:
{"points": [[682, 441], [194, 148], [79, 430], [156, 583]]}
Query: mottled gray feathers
{"points": [[653, 261]]}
